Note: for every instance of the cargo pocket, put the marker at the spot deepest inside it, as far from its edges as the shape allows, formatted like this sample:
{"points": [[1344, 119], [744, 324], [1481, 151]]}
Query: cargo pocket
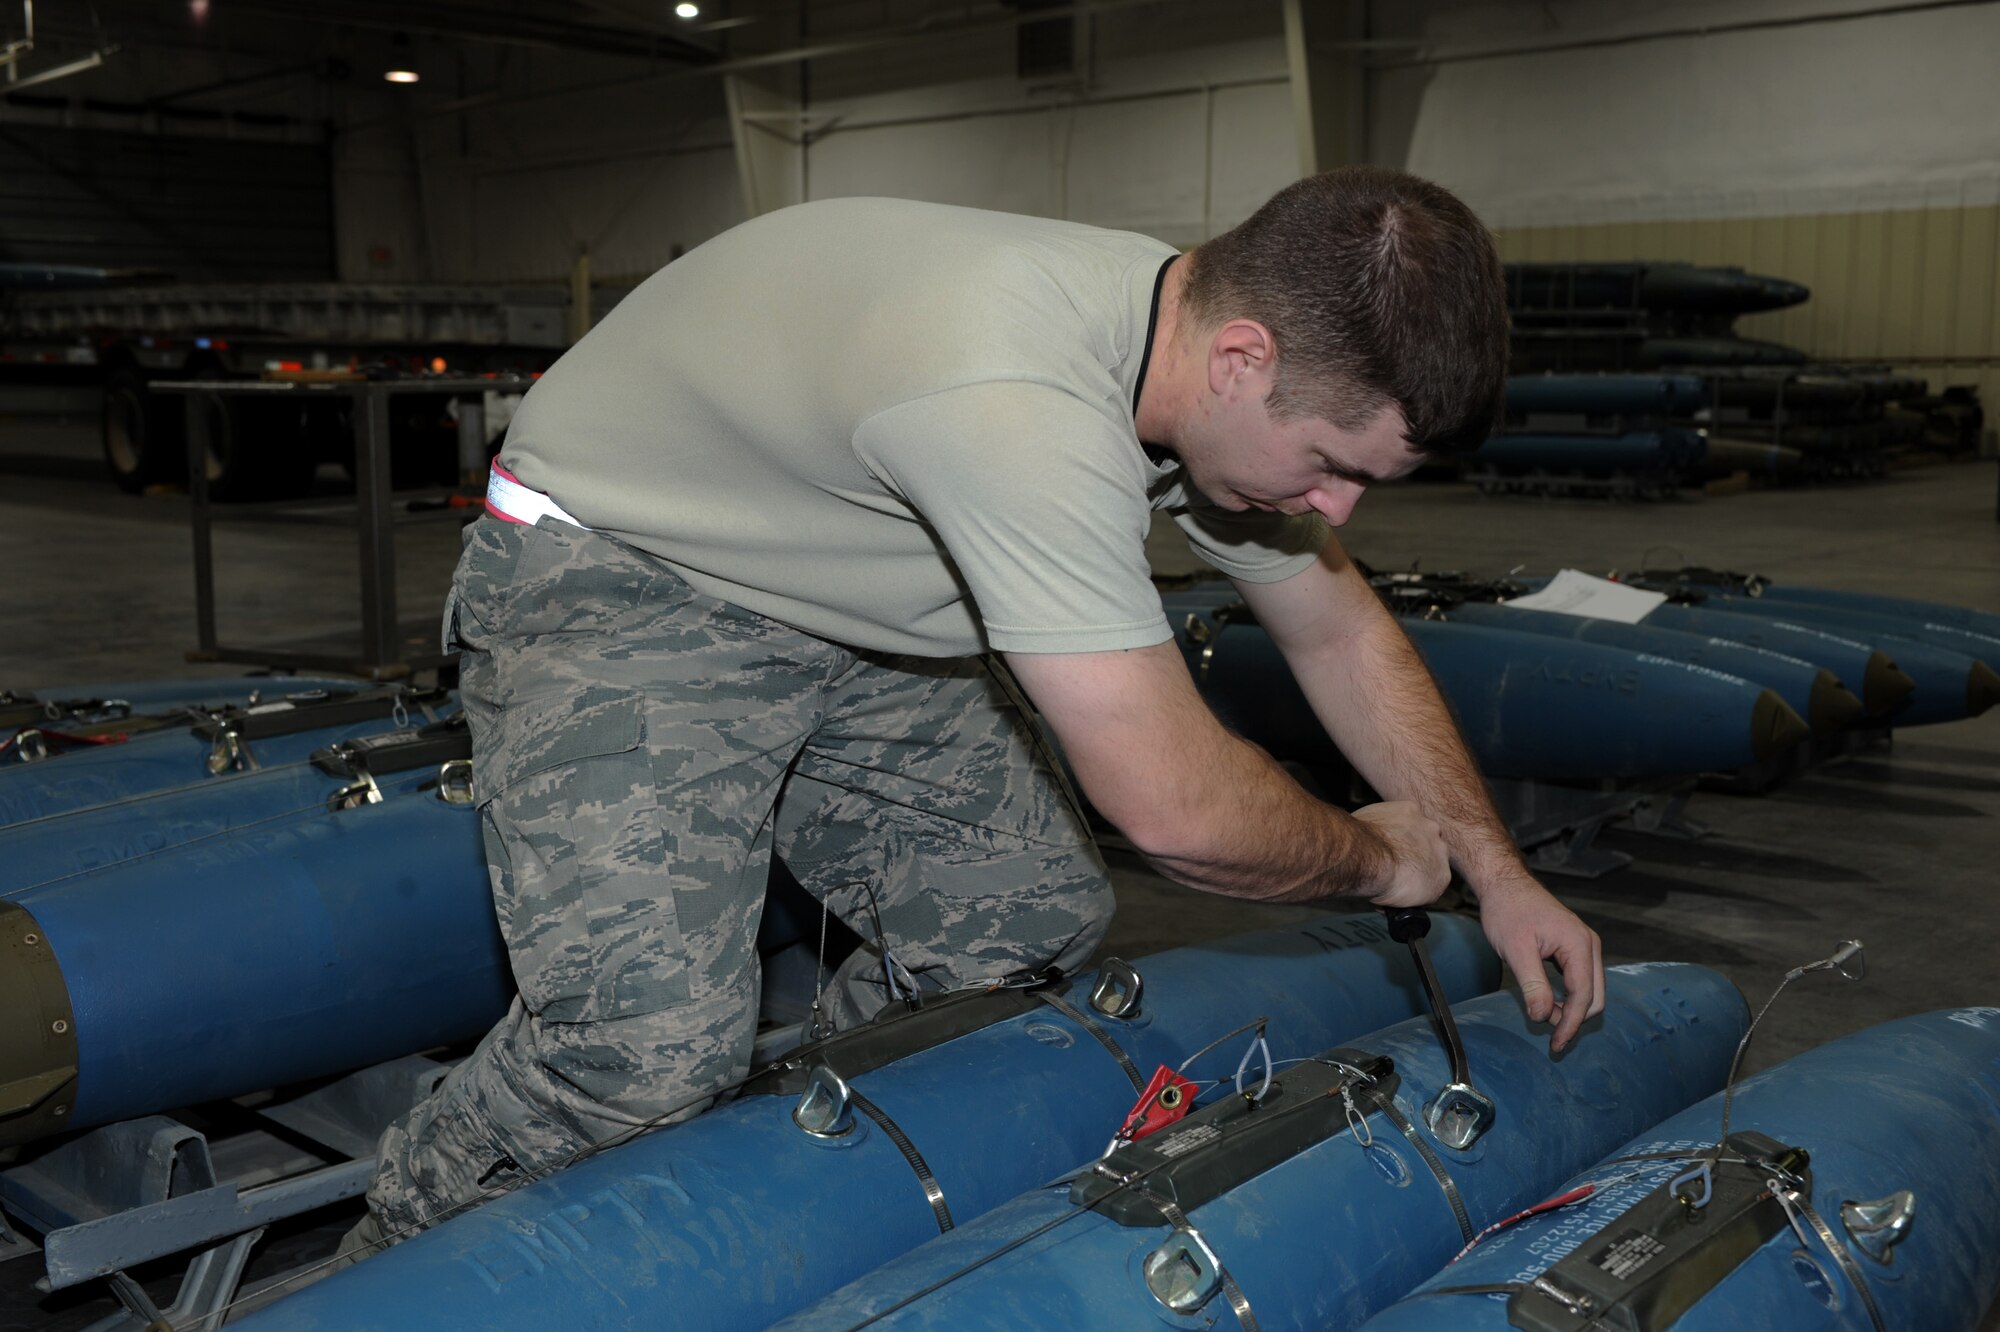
{"points": [[451, 1158], [579, 857]]}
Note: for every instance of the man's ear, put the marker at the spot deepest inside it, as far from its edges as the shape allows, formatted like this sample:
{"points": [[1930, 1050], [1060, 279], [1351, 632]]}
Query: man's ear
{"points": [[1242, 358]]}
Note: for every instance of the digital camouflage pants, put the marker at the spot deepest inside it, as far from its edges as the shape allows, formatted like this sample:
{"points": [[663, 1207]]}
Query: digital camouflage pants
{"points": [[640, 750]]}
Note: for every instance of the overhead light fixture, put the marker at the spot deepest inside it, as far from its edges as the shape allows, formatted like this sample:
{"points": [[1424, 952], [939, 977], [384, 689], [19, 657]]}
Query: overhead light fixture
{"points": [[686, 10], [401, 76]]}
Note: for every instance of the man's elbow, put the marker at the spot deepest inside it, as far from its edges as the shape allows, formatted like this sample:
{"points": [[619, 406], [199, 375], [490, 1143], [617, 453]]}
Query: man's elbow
{"points": [[1163, 815]]}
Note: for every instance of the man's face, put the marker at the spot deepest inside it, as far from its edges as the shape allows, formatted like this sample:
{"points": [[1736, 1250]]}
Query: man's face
{"points": [[1247, 460]]}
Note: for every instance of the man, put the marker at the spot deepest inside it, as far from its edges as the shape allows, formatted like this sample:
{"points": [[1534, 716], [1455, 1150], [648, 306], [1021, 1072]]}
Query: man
{"points": [[757, 539]]}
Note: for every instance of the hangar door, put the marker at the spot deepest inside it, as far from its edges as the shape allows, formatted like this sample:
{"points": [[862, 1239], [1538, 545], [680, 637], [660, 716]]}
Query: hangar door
{"points": [[192, 209]]}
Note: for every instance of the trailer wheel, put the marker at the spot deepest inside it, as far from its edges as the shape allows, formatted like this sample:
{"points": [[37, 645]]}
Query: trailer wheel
{"points": [[144, 439]]}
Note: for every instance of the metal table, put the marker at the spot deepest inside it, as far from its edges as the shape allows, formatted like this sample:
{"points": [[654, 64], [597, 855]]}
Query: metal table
{"points": [[387, 647]]}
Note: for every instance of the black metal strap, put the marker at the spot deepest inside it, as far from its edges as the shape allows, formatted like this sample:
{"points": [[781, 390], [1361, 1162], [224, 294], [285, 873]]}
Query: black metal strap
{"points": [[1495, 1288], [933, 1192], [1232, 1292], [891, 1036], [1104, 1038], [1403, 1125]]}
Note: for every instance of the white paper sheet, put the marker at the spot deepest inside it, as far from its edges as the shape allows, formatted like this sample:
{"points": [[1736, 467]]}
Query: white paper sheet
{"points": [[1574, 592]]}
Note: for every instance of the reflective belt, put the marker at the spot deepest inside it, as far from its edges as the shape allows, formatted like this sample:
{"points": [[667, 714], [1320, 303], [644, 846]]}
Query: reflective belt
{"points": [[511, 502]]}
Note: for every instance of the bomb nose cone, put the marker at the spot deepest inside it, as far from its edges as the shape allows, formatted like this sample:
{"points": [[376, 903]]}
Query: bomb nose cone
{"points": [[1774, 727], [37, 1033], [1830, 707], [1883, 687], [1982, 688], [1781, 293]]}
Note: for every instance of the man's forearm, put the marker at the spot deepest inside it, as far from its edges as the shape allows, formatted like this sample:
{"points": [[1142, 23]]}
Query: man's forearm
{"points": [[1236, 824], [1209, 809], [1380, 705], [1376, 699]]}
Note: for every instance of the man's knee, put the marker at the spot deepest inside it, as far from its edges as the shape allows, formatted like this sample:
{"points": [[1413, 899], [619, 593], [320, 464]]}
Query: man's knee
{"points": [[660, 1066]]}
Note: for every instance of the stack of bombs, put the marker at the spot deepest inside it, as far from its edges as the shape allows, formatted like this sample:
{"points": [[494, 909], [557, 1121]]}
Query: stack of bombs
{"points": [[1658, 432], [1631, 371], [1640, 315], [1731, 674], [1302, 1129], [1581, 431], [173, 862], [1298, 1128], [210, 888]]}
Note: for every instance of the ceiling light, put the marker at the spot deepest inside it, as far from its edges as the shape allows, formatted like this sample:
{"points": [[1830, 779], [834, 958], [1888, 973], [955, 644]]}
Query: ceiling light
{"points": [[686, 10], [401, 76]]}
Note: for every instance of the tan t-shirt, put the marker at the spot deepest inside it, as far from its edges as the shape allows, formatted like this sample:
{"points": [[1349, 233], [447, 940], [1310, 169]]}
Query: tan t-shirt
{"points": [[897, 425]]}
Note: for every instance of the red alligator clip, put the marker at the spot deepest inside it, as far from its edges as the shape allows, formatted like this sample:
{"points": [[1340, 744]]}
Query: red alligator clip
{"points": [[1167, 1098]]}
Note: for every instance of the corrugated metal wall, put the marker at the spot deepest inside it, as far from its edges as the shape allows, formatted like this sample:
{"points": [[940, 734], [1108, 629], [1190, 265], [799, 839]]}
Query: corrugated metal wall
{"points": [[196, 208], [1918, 289]]}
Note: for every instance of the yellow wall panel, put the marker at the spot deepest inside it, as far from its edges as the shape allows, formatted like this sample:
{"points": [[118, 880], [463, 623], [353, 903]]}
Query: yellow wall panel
{"points": [[1867, 275], [1902, 294], [1739, 239], [1937, 280], [1801, 264], [1599, 243], [1705, 241], [1976, 330], [1832, 298]]}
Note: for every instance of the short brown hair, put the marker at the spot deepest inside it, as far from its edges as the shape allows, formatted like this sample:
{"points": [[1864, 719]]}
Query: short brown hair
{"points": [[1379, 288]]}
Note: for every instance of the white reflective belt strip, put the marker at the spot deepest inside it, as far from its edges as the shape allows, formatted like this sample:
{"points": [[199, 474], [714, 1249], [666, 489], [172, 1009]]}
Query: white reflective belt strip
{"points": [[510, 499]]}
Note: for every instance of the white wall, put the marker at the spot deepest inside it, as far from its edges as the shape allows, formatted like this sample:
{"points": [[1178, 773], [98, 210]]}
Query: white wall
{"points": [[1178, 143], [514, 188], [1894, 111]]}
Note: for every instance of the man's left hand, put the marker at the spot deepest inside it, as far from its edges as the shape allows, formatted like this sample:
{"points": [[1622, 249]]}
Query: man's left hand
{"points": [[1525, 924]]}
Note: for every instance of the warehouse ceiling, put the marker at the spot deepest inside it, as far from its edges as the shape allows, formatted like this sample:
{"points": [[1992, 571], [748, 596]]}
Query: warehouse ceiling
{"points": [[281, 27], [230, 56]]}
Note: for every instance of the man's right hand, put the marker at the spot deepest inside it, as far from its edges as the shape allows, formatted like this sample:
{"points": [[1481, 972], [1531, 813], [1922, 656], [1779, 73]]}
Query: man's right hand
{"points": [[1414, 866]]}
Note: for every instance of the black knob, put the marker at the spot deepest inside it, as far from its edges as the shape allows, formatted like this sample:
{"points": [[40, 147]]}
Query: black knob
{"points": [[1407, 924]]}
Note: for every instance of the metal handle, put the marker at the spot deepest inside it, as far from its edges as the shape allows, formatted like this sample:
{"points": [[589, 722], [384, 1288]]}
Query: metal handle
{"points": [[1460, 1112], [1410, 925]]}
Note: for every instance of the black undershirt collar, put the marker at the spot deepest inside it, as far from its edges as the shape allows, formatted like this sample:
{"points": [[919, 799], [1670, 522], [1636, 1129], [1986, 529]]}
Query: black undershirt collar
{"points": [[1154, 452]]}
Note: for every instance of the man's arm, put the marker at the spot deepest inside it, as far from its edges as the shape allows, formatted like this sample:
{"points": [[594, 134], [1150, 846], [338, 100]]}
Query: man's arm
{"points": [[1373, 694], [1210, 810]]}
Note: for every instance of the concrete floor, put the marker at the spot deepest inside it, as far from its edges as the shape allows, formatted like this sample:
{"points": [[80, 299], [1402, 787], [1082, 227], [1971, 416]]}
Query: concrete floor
{"points": [[1897, 848]]}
